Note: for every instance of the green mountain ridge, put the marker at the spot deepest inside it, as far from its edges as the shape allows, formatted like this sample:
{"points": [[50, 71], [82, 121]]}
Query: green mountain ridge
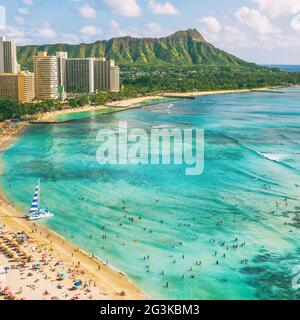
{"points": [[185, 48]]}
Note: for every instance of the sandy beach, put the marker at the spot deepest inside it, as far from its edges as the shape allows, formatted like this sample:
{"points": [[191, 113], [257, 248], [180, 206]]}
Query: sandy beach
{"points": [[205, 93], [129, 103], [8, 132], [62, 265], [134, 102], [50, 116]]}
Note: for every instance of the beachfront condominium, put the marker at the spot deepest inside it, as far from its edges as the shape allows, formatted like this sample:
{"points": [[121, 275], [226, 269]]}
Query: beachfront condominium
{"points": [[46, 76], [114, 81], [79, 75], [61, 67], [17, 87], [106, 75], [8, 57], [87, 74]]}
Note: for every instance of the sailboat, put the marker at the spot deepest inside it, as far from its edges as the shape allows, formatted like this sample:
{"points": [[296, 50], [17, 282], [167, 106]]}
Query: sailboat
{"points": [[35, 213]]}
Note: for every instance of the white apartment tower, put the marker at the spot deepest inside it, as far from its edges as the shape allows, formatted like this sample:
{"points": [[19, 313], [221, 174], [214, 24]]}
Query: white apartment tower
{"points": [[61, 67], [8, 57]]}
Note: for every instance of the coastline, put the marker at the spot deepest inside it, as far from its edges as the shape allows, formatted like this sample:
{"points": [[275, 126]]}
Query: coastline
{"points": [[110, 283], [50, 116], [6, 139], [132, 103]]}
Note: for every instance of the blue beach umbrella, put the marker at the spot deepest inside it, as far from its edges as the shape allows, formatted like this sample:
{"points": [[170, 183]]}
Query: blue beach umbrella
{"points": [[77, 284], [63, 275]]}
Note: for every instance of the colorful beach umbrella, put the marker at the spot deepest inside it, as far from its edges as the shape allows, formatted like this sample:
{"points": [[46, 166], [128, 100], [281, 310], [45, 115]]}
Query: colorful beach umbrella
{"points": [[77, 284]]}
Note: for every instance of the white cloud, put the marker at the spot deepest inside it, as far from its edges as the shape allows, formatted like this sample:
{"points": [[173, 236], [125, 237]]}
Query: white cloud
{"points": [[295, 23], [166, 8], [87, 12], [279, 41], [23, 11], [117, 31], [256, 20], [128, 8], [277, 8], [18, 34], [13, 32], [154, 27], [211, 24], [69, 38], [45, 32], [235, 37], [114, 25], [227, 37], [90, 31]]}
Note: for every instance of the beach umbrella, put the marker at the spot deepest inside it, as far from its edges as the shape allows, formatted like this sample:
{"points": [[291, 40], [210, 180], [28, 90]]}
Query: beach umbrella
{"points": [[38, 266], [63, 275], [77, 284]]}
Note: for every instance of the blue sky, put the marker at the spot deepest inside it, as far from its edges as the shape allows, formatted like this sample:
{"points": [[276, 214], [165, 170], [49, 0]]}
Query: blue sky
{"points": [[262, 31]]}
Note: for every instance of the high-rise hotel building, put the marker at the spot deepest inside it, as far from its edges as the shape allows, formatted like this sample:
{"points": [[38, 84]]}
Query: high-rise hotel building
{"points": [[79, 75], [14, 85], [106, 75], [8, 57], [54, 75], [46, 76], [88, 74], [17, 87]]}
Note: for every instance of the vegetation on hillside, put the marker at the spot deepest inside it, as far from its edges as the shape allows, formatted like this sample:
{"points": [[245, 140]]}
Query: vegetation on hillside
{"points": [[185, 48], [183, 61]]}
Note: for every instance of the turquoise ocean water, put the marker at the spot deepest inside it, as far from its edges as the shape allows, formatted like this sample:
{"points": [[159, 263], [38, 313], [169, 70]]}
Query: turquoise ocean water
{"points": [[123, 213]]}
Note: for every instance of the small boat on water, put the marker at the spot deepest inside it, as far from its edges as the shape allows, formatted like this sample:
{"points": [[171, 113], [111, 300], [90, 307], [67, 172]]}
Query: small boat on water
{"points": [[35, 213]]}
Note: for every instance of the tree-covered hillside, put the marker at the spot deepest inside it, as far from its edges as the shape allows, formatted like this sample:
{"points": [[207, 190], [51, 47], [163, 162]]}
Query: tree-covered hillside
{"points": [[182, 48]]}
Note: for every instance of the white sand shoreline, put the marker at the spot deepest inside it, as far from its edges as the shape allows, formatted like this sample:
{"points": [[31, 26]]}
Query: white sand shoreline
{"points": [[138, 102]]}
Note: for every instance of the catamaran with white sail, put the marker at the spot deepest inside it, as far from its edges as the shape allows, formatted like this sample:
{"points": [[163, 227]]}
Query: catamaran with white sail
{"points": [[35, 212]]}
